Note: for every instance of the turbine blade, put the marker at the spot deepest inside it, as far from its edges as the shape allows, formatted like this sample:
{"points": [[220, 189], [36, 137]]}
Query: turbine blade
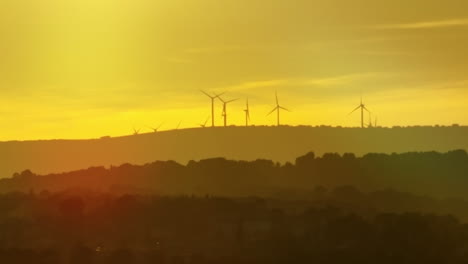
{"points": [[365, 108], [272, 111], [355, 110], [277, 101], [230, 101], [219, 96], [206, 94], [284, 108]]}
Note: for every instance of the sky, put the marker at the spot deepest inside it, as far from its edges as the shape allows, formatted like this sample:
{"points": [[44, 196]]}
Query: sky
{"points": [[92, 68]]}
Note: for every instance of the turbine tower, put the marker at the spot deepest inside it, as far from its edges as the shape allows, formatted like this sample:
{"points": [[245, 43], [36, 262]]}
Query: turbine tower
{"points": [[224, 114], [362, 107], [212, 97], [247, 113], [278, 108], [370, 121]]}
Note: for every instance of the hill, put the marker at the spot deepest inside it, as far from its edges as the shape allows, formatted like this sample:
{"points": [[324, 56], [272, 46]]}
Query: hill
{"points": [[423, 173], [280, 144]]}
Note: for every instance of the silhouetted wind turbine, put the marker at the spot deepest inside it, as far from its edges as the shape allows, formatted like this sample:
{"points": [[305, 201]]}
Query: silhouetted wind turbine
{"points": [[178, 125], [204, 124], [362, 107], [247, 113], [136, 131], [157, 128], [212, 97], [224, 114], [370, 120], [278, 108]]}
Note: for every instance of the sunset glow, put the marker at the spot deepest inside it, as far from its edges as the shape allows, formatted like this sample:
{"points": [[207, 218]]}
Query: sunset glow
{"points": [[90, 68]]}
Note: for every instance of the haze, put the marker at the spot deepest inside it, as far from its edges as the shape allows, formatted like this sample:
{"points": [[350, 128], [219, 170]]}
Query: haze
{"points": [[89, 68]]}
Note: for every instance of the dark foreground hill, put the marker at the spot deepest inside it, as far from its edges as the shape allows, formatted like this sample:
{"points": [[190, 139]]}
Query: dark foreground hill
{"points": [[275, 143], [240, 212], [99, 228]]}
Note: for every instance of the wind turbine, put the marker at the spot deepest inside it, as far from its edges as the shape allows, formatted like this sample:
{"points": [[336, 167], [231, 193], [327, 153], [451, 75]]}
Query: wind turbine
{"points": [[136, 131], [278, 108], [204, 124], [212, 97], [224, 114], [157, 128], [247, 113], [178, 125], [362, 107], [370, 121]]}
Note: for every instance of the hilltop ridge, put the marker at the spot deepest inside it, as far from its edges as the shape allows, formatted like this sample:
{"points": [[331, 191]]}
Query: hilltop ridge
{"points": [[280, 144]]}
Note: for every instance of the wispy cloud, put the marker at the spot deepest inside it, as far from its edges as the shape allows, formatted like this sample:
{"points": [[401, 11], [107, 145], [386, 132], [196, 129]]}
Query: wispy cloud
{"points": [[215, 49], [256, 84], [338, 80], [427, 24], [179, 60], [303, 82]]}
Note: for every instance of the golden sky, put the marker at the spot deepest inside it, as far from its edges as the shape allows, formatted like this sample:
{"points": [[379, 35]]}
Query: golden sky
{"points": [[89, 68]]}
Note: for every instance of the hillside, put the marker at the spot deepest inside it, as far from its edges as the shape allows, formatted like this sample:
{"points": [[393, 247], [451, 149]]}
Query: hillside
{"points": [[423, 173], [241, 143]]}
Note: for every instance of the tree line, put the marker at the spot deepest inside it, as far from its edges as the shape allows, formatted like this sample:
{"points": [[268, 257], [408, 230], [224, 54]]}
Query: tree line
{"points": [[89, 227], [442, 175]]}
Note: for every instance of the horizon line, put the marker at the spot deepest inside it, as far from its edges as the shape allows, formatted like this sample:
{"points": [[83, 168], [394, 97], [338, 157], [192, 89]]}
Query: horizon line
{"points": [[234, 126]]}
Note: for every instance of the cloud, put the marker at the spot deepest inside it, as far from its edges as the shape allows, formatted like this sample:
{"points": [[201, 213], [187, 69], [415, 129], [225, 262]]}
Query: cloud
{"points": [[219, 49], [256, 84], [179, 60], [427, 24], [299, 86], [339, 80]]}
